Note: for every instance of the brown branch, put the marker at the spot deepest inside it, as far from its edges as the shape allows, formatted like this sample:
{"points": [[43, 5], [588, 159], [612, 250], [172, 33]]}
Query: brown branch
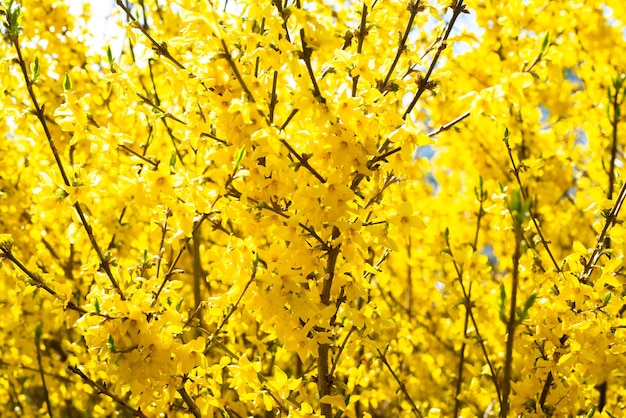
{"points": [[37, 281], [306, 56], [193, 408], [160, 48], [468, 306], [42, 120], [512, 322], [41, 372], [359, 48], [238, 76], [341, 348], [324, 378], [136, 154], [481, 196], [273, 97], [414, 407], [172, 270], [104, 391], [448, 125], [414, 7], [457, 8], [533, 218], [235, 306], [550, 378]]}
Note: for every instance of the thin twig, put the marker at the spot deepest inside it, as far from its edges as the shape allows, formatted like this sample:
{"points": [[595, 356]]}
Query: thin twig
{"points": [[341, 348], [533, 218], [168, 213], [468, 307], [448, 125], [149, 102], [103, 390], [414, 407], [235, 70], [172, 270], [233, 309], [37, 281], [550, 378], [597, 251], [42, 120], [160, 48], [325, 382], [41, 373], [193, 408], [359, 48], [414, 7], [136, 154], [273, 97], [511, 322], [481, 196], [306, 56], [457, 8]]}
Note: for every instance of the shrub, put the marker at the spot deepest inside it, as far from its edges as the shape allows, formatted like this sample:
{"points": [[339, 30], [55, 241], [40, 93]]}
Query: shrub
{"points": [[379, 208]]}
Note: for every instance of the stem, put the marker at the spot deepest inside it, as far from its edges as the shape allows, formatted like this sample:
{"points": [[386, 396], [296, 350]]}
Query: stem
{"points": [[273, 98], [550, 378], [414, 408], [324, 378], [161, 48], [193, 408], [459, 380], [414, 7], [101, 389], [172, 270], [198, 273], [468, 307], [481, 195], [359, 48], [238, 76], [511, 323], [458, 8], [306, 56], [43, 380], [544, 241], [42, 120], [597, 251], [6, 253]]}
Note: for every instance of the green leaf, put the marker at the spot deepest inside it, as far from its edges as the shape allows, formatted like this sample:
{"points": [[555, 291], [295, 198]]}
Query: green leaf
{"points": [[38, 331], [591, 412], [13, 14], [239, 157], [506, 136], [96, 305], [502, 304], [606, 298], [523, 313], [255, 262], [67, 83], [519, 208], [173, 160], [35, 70], [530, 302], [111, 344], [545, 43], [110, 57]]}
